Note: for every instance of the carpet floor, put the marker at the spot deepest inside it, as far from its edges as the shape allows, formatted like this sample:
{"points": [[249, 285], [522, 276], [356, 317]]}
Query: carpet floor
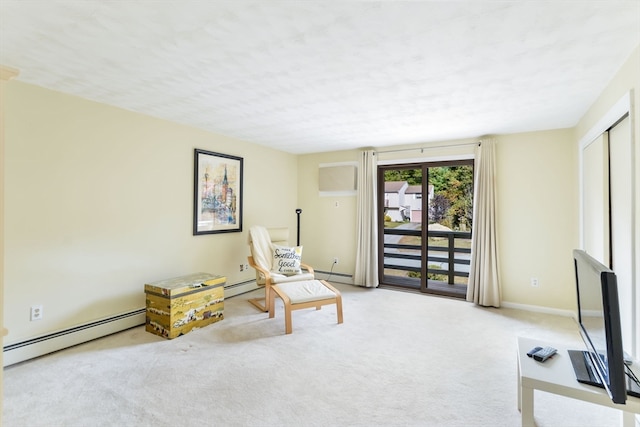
{"points": [[399, 359]]}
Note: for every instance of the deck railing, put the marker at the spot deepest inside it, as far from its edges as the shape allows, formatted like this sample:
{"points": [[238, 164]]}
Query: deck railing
{"points": [[401, 256]]}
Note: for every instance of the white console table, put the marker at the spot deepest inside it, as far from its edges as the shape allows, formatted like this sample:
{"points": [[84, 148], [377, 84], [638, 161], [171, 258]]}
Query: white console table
{"points": [[556, 376]]}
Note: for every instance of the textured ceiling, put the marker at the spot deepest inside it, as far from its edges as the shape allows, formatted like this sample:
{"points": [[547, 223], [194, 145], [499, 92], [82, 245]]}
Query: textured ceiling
{"points": [[313, 76]]}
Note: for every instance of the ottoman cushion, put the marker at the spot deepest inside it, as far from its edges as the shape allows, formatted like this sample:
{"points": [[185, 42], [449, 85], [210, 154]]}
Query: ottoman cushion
{"points": [[306, 291]]}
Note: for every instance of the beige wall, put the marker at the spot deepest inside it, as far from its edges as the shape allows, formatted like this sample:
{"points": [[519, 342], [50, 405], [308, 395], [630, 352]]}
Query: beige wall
{"points": [[6, 74], [99, 201], [328, 222], [331, 220], [537, 217], [537, 211]]}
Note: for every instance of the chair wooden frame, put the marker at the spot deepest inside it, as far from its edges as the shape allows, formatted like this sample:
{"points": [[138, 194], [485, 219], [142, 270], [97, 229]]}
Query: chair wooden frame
{"points": [[289, 306], [262, 303]]}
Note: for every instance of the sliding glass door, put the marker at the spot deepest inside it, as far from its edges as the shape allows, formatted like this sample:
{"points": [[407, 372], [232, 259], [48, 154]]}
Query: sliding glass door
{"points": [[425, 220]]}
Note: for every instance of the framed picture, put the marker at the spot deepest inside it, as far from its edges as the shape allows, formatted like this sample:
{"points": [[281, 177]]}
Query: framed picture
{"points": [[217, 193]]}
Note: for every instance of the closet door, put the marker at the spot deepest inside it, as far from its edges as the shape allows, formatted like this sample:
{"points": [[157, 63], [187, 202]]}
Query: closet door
{"points": [[622, 210], [608, 220], [595, 197]]}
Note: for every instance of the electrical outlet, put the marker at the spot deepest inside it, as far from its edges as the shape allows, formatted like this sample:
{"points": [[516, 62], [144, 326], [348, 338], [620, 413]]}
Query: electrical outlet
{"points": [[335, 260], [534, 282], [246, 266], [36, 312], [241, 267]]}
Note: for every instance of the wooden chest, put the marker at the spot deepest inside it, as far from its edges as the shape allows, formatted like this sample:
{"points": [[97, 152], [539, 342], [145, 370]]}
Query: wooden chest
{"points": [[176, 306]]}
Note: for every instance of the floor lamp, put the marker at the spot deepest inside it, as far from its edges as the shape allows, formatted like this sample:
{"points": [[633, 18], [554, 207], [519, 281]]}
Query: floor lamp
{"points": [[298, 212]]}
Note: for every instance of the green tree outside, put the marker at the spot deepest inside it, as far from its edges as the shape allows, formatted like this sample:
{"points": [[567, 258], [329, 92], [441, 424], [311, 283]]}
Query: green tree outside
{"points": [[453, 192]]}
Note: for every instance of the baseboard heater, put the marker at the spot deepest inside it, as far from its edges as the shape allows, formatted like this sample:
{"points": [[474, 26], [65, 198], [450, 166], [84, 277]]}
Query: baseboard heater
{"points": [[347, 279], [44, 344], [240, 288], [49, 343]]}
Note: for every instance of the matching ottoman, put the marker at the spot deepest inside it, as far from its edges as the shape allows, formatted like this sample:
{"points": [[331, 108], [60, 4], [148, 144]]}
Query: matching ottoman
{"points": [[304, 294]]}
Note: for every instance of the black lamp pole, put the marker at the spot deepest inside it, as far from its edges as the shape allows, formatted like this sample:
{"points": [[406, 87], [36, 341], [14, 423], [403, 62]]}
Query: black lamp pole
{"points": [[298, 212]]}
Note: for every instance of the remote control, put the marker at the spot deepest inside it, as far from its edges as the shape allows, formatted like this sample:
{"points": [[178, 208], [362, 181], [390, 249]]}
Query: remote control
{"points": [[533, 351], [544, 354]]}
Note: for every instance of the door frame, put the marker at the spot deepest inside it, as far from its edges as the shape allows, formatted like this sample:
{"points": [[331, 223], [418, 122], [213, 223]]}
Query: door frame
{"points": [[424, 165]]}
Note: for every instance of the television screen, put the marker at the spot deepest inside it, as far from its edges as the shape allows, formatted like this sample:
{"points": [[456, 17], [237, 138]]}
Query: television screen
{"points": [[599, 321]]}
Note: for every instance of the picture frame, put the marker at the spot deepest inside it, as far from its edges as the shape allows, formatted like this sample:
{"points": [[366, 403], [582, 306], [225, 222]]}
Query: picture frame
{"points": [[217, 193]]}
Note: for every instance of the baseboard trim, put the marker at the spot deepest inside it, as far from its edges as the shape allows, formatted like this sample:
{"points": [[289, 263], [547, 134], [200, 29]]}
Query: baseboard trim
{"points": [[538, 309]]}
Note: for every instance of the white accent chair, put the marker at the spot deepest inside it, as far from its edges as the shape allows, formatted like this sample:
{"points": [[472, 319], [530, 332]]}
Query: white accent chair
{"points": [[261, 259], [297, 291]]}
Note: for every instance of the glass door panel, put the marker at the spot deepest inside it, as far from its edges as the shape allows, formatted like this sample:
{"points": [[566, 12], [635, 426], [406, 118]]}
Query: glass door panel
{"points": [[433, 258]]}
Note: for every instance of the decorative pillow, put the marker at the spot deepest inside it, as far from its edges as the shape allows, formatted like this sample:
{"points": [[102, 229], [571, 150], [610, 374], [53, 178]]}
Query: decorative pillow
{"points": [[287, 260]]}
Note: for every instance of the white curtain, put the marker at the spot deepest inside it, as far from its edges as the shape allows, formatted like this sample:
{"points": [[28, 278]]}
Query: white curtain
{"points": [[366, 273], [484, 281]]}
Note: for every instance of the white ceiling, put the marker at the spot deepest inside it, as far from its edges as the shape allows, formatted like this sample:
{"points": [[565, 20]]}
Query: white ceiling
{"points": [[314, 76]]}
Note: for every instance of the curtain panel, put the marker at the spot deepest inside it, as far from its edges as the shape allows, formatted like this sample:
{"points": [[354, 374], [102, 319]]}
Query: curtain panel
{"points": [[366, 270], [484, 281]]}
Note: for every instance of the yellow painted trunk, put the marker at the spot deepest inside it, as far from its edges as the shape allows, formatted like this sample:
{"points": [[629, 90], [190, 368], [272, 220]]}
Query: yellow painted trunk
{"points": [[177, 306]]}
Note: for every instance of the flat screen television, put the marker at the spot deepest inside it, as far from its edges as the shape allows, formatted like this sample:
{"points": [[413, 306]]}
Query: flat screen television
{"points": [[602, 364]]}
